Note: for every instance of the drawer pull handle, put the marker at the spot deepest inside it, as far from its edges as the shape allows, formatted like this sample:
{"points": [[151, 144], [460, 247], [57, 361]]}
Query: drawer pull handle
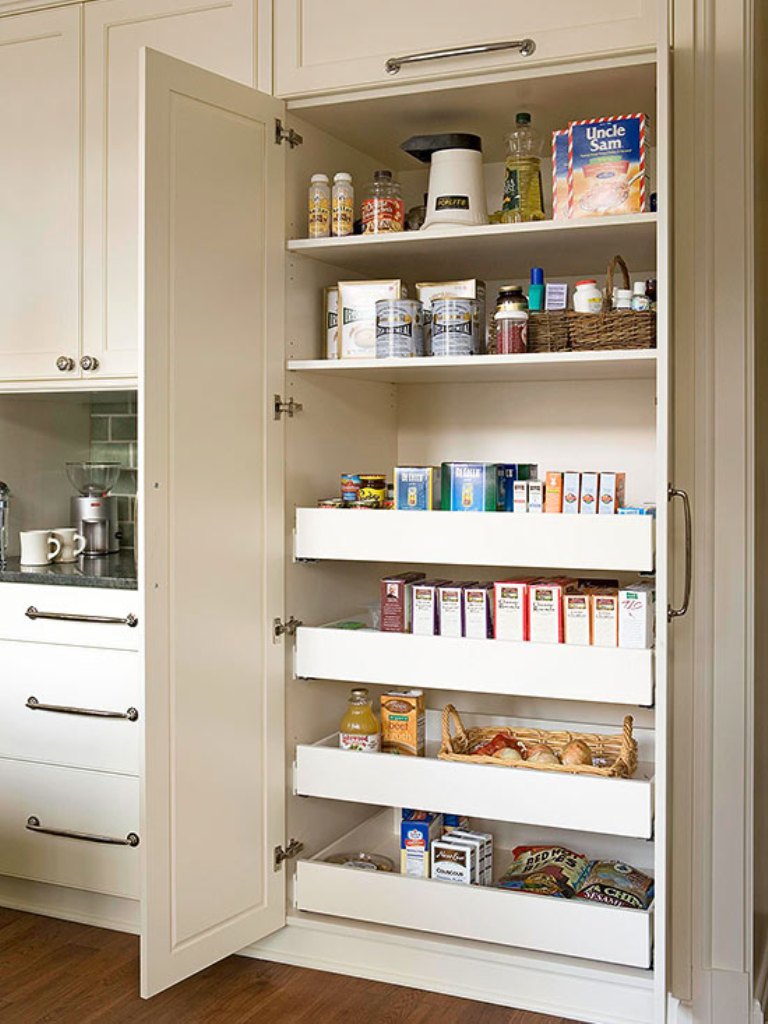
{"points": [[34, 704], [33, 824], [677, 492], [525, 46], [110, 620]]}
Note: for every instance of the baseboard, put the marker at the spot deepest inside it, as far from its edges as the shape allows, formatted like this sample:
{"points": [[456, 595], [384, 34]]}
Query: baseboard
{"points": [[577, 990], [92, 908]]}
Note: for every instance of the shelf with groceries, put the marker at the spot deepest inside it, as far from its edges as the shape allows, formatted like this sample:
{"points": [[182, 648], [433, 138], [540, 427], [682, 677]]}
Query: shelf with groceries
{"points": [[549, 897]]}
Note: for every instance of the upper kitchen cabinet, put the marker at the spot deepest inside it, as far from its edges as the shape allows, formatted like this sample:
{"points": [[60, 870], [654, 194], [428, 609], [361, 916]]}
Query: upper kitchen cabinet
{"points": [[219, 37], [40, 194], [326, 45]]}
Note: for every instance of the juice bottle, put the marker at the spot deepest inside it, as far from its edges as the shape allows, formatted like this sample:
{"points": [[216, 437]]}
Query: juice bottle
{"points": [[360, 729], [523, 197]]}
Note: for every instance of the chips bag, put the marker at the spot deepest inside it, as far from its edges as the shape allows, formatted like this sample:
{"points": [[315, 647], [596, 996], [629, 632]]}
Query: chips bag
{"points": [[547, 870]]}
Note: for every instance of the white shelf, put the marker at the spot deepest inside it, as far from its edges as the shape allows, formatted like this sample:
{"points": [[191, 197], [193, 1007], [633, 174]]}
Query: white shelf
{"points": [[560, 671], [620, 807], [539, 366], [477, 538], [569, 927], [492, 251]]}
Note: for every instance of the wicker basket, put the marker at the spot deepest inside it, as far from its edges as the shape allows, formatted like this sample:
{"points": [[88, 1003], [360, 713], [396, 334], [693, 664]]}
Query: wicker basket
{"points": [[548, 331], [618, 752], [613, 328]]}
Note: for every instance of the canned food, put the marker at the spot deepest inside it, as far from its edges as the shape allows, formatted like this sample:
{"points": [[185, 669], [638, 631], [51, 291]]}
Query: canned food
{"points": [[373, 487], [364, 503], [399, 328], [455, 327], [350, 486], [330, 503]]}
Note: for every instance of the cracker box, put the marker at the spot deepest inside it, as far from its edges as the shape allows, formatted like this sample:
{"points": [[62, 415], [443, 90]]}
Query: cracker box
{"points": [[452, 861], [452, 608], [611, 493], [475, 844], [545, 612], [607, 166], [402, 722], [605, 619], [396, 602], [577, 619], [485, 844], [418, 831], [425, 607], [637, 615], [478, 611], [468, 487], [331, 322], [506, 474], [553, 493], [560, 175], [588, 501], [520, 491], [571, 492], [417, 488], [427, 291], [511, 610], [536, 496], [357, 309]]}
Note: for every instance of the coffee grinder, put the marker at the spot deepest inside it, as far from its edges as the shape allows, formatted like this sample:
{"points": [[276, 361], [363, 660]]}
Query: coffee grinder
{"points": [[94, 510]]}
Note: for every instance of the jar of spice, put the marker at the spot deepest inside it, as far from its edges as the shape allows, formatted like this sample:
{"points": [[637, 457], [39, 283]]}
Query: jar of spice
{"points": [[510, 321], [383, 208]]}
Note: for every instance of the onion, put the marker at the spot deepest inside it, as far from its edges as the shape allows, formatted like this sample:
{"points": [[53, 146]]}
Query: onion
{"points": [[576, 752]]}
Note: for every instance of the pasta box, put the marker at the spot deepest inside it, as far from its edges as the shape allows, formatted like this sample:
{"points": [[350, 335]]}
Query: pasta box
{"points": [[417, 488], [468, 487]]}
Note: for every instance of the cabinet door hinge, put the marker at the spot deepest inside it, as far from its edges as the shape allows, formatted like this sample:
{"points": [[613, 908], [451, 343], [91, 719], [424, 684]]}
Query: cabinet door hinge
{"points": [[289, 408], [293, 849], [280, 628], [283, 134]]}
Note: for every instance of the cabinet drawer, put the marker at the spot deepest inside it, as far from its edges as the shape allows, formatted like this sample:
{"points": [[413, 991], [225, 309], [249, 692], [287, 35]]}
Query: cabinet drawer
{"points": [[93, 803], [16, 600], [39, 680]]}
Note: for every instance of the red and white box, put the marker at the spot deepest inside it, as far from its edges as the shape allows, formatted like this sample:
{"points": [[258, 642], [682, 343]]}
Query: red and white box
{"points": [[545, 611], [511, 609], [605, 619]]}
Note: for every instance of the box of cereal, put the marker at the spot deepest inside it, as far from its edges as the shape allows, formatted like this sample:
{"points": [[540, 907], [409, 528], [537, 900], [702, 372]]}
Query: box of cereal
{"points": [[607, 166]]}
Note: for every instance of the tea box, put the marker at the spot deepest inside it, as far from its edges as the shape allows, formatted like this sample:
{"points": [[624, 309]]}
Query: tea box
{"points": [[419, 830], [506, 476], [511, 610], [478, 611], [588, 500], [637, 615], [611, 493], [417, 488], [545, 612], [607, 166], [468, 487], [520, 491], [536, 496], [577, 619], [402, 722], [452, 609], [396, 602], [605, 619], [357, 309], [425, 607], [553, 493], [571, 492]]}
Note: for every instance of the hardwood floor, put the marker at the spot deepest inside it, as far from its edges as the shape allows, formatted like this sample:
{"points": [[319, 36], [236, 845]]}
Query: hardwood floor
{"points": [[55, 972]]}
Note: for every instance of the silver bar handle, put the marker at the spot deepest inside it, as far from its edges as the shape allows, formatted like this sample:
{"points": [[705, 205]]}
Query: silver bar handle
{"points": [[111, 620], [525, 46], [676, 492], [34, 704], [33, 824]]}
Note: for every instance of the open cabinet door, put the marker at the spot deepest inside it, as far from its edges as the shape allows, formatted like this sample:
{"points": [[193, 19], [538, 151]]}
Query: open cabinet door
{"points": [[211, 519]]}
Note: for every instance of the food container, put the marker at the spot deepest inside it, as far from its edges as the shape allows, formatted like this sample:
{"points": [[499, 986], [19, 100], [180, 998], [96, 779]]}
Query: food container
{"points": [[456, 327], [373, 488], [399, 328], [607, 166], [468, 487], [417, 488], [357, 315], [471, 288], [350, 487]]}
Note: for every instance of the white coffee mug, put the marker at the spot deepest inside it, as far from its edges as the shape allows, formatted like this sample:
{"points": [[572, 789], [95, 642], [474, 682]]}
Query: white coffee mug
{"points": [[38, 547], [72, 543]]}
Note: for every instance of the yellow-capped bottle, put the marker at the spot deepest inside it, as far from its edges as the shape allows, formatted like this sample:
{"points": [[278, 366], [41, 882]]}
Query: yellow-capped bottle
{"points": [[360, 729]]}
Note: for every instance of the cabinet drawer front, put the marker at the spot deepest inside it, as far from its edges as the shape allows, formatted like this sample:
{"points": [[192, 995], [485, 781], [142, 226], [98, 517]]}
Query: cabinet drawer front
{"points": [[39, 680], [92, 803], [16, 600]]}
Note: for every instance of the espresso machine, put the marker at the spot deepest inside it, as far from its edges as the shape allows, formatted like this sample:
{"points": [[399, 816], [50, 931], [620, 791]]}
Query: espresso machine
{"points": [[94, 510]]}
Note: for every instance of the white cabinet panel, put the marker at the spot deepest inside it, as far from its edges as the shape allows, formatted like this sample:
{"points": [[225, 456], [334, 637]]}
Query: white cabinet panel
{"points": [[326, 45], [40, 193], [217, 36], [39, 681], [19, 602]]}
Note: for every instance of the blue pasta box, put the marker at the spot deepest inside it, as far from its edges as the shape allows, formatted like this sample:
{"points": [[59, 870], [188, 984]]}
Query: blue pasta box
{"points": [[417, 488], [507, 473], [468, 486]]}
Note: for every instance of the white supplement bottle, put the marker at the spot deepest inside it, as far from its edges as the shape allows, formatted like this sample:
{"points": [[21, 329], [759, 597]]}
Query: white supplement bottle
{"points": [[640, 301], [319, 206], [587, 297], [343, 205]]}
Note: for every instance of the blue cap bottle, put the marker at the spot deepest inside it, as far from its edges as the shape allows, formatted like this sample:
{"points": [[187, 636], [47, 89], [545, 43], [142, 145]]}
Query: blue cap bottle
{"points": [[536, 290]]}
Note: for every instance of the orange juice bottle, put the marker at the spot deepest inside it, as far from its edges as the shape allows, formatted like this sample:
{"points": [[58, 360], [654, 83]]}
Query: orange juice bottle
{"points": [[360, 729]]}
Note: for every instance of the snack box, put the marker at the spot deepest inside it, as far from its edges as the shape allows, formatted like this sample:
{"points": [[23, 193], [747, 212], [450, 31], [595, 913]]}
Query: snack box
{"points": [[417, 488], [427, 291], [611, 493], [396, 602], [452, 821], [545, 611], [553, 492], [425, 605], [588, 501], [453, 861], [484, 842], [571, 492], [478, 611], [452, 608], [511, 609], [357, 308], [637, 510], [605, 618], [536, 496], [402, 722], [419, 830], [560, 175], [520, 492], [607, 166], [577, 618], [637, 615], [331, 322], [468, 487]]}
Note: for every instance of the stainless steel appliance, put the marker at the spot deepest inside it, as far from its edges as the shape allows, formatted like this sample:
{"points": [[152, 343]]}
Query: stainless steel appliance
{"points": [[94, 510]]}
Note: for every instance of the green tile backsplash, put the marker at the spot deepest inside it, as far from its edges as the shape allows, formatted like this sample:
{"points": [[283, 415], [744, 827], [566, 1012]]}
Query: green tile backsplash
{"points": [[113, 439]]}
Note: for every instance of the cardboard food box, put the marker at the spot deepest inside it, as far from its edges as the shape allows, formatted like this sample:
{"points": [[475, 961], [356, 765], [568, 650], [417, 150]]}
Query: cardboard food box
{"points": [[417, 488], [427, 291], [577, 619], [560, 175], [331, 322], [468, 487], [511, 610], [402, 722], [571, 492], [419, 830], [607, 166], [452, 608], [605, 618], [396, 601], [545, 611], [454, 861], [520, 492], [637, 615], [536, 495], [478, 611], [589, 499], [611, 493], [553, 497], [425, 604], [357, 313]]}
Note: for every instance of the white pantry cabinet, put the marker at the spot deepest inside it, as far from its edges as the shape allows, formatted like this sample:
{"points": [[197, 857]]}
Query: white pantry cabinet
{"points": [[326, 46]]}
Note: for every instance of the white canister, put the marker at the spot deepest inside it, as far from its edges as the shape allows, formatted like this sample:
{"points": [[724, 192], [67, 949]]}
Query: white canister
{"points": [[399, 328], [587, 297], [455, 327]]}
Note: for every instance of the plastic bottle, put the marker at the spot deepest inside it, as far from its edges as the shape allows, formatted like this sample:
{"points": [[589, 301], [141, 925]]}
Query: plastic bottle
{"points": [[360, 729], [587, 297], [523, 196], [640, 301], [343, 205], [510, 321], [383, 206], [622, 298], [319, 206], [536, 290]]}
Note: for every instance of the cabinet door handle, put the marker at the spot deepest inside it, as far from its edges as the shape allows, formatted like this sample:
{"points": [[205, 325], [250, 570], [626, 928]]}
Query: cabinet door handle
{"points": [[65, 364], [33, 824], [111, 620], [89, 363], [525, 46], [676, 492], [34, 704]]}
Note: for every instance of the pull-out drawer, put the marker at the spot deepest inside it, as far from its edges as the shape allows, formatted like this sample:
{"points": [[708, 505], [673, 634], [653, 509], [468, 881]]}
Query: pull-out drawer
{"points": [[103, 811], [71, 706], [70, 615]]}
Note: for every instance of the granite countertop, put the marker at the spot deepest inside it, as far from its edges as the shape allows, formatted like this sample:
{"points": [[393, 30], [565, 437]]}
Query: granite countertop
{"points": [[109, 572]]}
